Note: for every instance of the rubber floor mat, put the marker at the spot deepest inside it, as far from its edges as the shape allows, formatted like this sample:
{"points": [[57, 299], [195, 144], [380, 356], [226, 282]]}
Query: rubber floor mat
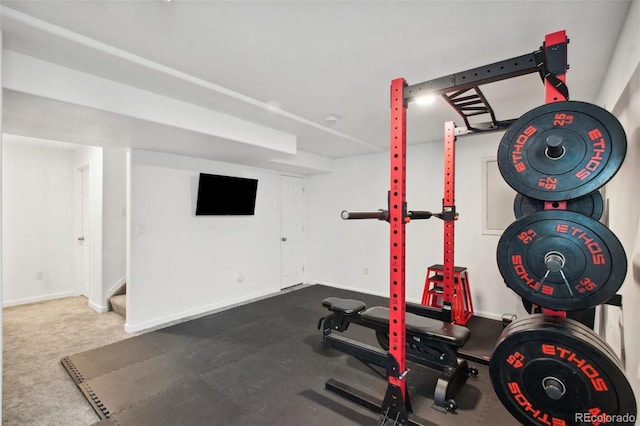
{"points": [[263, 363]]}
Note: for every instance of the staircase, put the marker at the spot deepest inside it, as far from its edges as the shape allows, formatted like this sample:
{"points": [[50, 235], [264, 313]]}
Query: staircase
{"points": [[118, 301]]}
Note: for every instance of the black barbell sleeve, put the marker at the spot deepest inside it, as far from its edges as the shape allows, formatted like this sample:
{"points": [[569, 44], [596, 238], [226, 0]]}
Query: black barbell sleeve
{"points": [[419, 214], [379, 214]]}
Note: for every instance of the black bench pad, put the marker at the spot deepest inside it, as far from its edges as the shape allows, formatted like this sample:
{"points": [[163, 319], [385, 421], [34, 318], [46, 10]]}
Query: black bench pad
{"points": [[344, 306], [452, 334]]}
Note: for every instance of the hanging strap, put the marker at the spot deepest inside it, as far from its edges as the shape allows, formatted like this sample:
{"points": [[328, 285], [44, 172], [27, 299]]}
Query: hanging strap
{"points": [[541, 63]]}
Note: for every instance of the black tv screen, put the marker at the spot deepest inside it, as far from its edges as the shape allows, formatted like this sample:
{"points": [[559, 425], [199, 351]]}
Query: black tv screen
{"points": [[226, 195]]}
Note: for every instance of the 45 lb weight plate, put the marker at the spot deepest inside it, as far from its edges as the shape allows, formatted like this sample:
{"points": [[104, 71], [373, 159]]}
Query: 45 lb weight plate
{"points": [[555, 371], [590, 205], [562, 150], [561, 260]]}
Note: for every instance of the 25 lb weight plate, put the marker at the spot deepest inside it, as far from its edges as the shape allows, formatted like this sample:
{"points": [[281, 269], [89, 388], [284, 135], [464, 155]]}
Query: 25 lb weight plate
{"points": [[555, 371], [590, 205], [561, 260], [562, 150]]}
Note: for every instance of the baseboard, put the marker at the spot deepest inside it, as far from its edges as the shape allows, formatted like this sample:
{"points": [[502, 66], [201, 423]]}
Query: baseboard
{"points": [[188, 315], [116, 286], [36, 299], [98, 308]]}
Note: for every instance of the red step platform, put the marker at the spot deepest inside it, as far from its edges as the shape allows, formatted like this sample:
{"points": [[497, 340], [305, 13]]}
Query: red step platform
{"points": [[461, 303]]}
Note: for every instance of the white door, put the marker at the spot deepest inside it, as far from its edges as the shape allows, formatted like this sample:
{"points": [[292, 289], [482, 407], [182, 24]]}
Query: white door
{"points": [[292, 231], [83, 238]]}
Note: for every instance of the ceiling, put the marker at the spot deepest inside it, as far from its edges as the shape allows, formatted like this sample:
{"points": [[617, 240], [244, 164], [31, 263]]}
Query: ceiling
{"points": [[289, 64]]}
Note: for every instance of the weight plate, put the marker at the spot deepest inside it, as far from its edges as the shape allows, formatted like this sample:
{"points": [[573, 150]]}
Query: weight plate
{"points": [[561, 260], [555, 371], [590, 205], [562, 150], [584, 316]]}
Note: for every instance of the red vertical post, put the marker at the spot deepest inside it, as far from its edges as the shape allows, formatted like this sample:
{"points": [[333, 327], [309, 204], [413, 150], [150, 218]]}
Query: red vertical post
{"points": [[555, 45], [449, 210], [397, 215]]}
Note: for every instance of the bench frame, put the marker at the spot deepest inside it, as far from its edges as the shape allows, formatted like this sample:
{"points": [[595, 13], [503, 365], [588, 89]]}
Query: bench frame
{"points": [[420, 349]]}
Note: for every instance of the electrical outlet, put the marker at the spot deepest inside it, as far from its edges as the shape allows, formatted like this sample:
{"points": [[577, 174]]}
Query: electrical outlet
{"points": [[366, 270], [39, 275]]}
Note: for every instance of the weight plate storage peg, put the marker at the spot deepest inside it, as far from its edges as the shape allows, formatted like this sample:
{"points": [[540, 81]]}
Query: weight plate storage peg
{"points": [[561, 260], [562, 150], [555, 371], [590, 205]]}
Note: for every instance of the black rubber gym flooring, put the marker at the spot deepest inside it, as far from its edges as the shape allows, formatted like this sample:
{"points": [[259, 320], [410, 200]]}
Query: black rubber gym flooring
{"points": [[260, 364]]}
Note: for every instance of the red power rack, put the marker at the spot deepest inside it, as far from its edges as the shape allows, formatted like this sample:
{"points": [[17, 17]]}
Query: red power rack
{"points": [[397, 238], [447, 286], [458, 84], [460, 90]]}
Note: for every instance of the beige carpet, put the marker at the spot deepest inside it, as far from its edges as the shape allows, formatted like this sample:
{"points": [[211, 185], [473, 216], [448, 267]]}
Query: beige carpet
{"points": [[36, 388]]}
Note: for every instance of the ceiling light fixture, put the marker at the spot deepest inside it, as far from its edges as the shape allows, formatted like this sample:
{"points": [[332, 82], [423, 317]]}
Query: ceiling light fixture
{"points": [[331, 120], [426, 100]]}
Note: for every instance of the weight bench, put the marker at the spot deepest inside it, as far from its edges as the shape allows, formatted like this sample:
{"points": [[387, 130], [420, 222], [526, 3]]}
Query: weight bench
{"points": [[430, 342]]}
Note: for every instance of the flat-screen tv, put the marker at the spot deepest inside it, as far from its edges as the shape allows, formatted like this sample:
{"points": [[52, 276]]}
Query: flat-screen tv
{"points": [[226, 195]]}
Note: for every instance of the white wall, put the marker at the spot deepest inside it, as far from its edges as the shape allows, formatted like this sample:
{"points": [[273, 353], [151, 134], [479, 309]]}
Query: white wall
{"points": [[1, 231], [40, 186], [114, 220], [38, 222], [355, 254], [181, 265], [621, 92]]}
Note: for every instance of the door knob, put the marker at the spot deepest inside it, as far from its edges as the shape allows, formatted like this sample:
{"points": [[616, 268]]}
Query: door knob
{"points": [[80, 239], [284, 238]]}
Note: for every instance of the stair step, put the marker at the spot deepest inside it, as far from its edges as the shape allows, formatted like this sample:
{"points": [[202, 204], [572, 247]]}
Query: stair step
{"points": [[119, 304]]}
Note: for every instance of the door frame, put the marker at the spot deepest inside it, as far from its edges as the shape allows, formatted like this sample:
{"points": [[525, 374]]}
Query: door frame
{"points": [[82, 215], [92, 159], [303, 239], [78, 226]]}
